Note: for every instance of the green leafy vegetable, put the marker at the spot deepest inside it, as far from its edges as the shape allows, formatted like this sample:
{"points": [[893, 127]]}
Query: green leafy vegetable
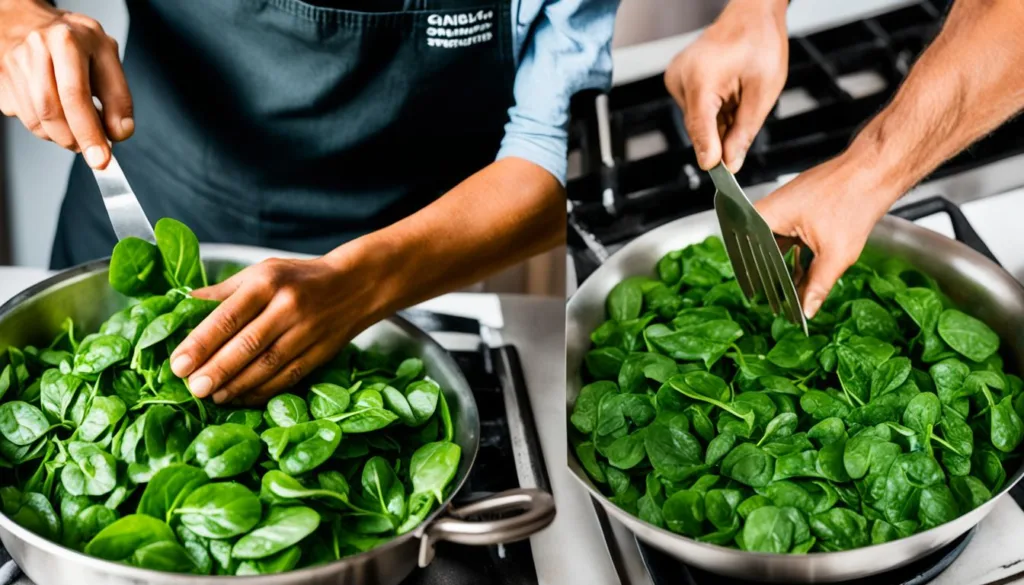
{"points": [[105, 451], [708, 416]]}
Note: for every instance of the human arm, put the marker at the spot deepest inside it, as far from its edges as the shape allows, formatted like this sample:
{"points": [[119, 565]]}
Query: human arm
{"points": [[728, 80], [968, 82], [281, 319], [52, 63], [567, 50]]}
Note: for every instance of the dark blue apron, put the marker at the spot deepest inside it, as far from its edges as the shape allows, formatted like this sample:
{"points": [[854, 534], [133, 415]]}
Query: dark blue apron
{"points": [[282, 124]]}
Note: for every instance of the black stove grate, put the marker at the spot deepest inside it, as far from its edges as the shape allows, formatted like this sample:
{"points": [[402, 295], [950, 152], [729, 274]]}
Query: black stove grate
{"points": [[652, 189], [666, 570]]}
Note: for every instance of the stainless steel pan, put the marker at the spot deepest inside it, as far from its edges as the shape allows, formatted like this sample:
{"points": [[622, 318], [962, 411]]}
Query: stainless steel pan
{"points": [[971, 279], [34, 317]]}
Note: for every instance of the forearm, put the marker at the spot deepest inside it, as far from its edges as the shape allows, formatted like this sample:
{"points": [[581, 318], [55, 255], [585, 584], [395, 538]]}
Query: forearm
{"points": [[504, 214], [968, 82]]}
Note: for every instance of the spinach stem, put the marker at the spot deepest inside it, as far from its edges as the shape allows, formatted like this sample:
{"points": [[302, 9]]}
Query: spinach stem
{"points": [[739, 355], [803, 380], [947, 445], [988, 395], [851, 398]]}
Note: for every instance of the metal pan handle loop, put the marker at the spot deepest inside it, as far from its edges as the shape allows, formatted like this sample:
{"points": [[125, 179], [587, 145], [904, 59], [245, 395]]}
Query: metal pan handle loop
{"points": [[537, 509]]}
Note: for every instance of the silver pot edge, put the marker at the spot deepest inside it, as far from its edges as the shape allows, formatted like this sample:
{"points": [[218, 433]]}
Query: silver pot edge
{"points": [[16, 538]]}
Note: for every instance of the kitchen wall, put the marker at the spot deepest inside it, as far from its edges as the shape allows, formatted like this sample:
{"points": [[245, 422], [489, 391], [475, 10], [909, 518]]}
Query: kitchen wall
{"points": [[640, 21]]}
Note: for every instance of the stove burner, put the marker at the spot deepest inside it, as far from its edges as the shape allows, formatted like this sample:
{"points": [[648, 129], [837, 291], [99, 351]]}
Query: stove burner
{"points": [[666, 570]]}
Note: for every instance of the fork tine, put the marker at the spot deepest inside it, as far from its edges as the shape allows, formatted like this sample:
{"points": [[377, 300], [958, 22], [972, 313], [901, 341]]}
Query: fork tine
{"points": [[748, 281], [769, 285], [753, 270], [772, 284], [792, 303]]}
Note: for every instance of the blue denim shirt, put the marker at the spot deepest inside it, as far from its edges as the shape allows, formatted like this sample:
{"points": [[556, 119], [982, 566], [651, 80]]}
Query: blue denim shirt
{"points": [[561, 47]]}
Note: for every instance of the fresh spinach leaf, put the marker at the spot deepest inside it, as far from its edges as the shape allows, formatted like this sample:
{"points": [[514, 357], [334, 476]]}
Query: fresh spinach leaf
{"points": [[179, 250], [282, 528], [968, 336], [220, 510]]}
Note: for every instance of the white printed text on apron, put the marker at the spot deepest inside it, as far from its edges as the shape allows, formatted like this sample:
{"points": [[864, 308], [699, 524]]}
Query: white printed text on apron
{"points": [[452, 31]]}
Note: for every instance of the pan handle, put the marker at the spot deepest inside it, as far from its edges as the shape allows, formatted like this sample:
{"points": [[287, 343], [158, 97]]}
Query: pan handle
{"points": [[962, 229], [537, 511]]}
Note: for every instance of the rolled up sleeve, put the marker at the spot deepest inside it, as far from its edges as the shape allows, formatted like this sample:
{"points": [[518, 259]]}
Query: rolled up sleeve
{"points": [[569, 50]]}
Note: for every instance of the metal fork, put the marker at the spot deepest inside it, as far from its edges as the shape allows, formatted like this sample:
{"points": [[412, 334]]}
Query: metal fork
{"points": [[754, 250]]}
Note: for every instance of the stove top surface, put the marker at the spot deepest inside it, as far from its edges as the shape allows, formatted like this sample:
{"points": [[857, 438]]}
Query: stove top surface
{"points": [[665, 570]]}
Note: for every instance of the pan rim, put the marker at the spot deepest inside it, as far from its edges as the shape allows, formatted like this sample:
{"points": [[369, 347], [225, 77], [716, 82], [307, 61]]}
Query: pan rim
{"points": [[671, 232], [301, 575]]}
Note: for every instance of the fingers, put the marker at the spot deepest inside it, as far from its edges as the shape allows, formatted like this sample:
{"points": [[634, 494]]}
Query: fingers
{"points": [[221, 291], [221, 325], [754, 106], [827, 267], [267, 365], [292, 374], [48, 81], [37, 70], [110, 86], [254, 341], [16, 62], [701, 116], [7, 104], [778, 211], [71, 71], [686, 83]]}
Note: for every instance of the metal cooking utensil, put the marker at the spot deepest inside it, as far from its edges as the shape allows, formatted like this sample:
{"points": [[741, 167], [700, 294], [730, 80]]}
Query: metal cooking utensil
{"points": [[126, 215], [753, 250]]}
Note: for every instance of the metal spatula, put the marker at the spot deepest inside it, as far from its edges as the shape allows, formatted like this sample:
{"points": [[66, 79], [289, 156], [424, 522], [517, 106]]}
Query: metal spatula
{"points": [[753, 250], [126, 215]]}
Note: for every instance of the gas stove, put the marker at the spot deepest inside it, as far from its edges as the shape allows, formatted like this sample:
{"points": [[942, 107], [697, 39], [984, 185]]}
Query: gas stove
{"points": [[634, 169], [509, 457]]}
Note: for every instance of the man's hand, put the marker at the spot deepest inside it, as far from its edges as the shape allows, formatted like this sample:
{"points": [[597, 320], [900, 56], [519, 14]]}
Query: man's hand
{"points": [[52, 63], [970, 80], [281, 319], [832, 208], [728, 80], [277, 321]]}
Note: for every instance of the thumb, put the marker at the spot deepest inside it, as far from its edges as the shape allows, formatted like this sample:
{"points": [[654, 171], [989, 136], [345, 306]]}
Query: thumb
{"points": [[750, 115], [780, 216], [700, 115], [826, 268]]}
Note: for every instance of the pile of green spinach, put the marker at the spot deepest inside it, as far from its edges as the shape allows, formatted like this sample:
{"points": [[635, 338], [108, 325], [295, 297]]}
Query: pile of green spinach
{"points": [[105, 451], [707, 416]]}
